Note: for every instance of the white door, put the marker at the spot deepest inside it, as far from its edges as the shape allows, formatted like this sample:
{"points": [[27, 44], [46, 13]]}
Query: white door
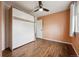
{"points": [[39, 29]]}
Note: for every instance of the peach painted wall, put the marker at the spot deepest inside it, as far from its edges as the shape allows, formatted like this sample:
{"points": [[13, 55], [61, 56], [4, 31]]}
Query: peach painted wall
{"points": [[56, 26]]}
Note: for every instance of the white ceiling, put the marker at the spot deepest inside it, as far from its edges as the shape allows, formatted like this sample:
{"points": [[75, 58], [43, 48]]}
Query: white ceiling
{"points": [[53, 6]]}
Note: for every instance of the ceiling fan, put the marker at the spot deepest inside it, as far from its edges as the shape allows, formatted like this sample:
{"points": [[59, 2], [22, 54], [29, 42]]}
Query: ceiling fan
{"points": [[41, 8]]}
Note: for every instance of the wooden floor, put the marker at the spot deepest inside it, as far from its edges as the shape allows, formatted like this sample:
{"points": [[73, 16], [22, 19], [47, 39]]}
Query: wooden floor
{"points": [[41, 48]]}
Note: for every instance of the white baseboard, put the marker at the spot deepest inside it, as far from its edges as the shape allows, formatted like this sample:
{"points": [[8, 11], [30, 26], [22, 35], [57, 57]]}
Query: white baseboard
{"points": [[57, 41]]}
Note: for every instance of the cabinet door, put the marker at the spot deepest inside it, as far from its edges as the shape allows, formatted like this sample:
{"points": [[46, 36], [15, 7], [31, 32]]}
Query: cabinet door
{"points": [[23, 33]]}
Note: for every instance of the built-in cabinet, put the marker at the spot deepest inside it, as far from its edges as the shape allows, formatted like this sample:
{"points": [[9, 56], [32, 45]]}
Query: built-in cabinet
{"points": [[21, 26]]}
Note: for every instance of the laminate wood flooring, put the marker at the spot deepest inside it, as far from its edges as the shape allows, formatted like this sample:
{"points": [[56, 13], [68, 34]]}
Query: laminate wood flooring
{"points": [[41, 48]]}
